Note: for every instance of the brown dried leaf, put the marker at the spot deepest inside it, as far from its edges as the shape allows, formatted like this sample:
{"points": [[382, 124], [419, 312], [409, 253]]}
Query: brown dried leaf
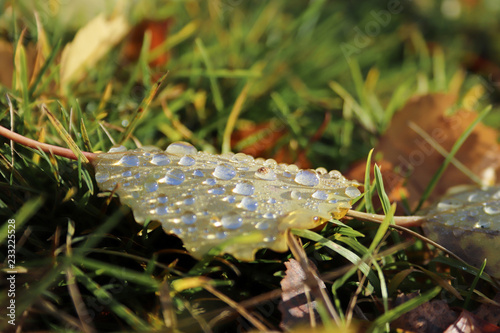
{"points": [[469, 323], [159, 33], [490, 312], [297, 305], [409, 157], [432, 317]]}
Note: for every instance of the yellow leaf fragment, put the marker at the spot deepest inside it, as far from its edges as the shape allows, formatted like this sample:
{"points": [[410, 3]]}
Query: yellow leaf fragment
{"points": [[90, 44]]}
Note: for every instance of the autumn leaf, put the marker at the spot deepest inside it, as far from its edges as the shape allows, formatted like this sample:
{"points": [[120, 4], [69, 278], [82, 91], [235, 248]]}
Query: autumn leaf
{"points": [[434, 316], [90, 44], [296, 305], [410, 161]]}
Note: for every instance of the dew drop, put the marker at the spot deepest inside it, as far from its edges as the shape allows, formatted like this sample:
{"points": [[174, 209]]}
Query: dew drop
{"points": [[174, 177], [270, 163], [162, 210], [249, 204], [198, 173], [101, 177], [269, 215], [162, 199], [262, 225], [292, 168], [181, 148], [448, 204], [224, 171], [295, 195], [129, 160], [352, 192], [215, 222], [221, 235], [127, 173], [482, 225], [210, 181], [307, 177], [335, 174], [160, 159], [271, 201], [232, 221], [244, 188], [230, 198], [189, 200], [321, 195], [496, 195], [240, 157], [188, 218], [187, 161], [151, 186], [217, 190], [117, 149], [265, 173], [474, 197], [287, 174], [492, 208], [321, 171]]}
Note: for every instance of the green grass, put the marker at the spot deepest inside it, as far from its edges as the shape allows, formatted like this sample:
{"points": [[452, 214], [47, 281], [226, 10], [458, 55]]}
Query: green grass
{"points": [[232, 64]]}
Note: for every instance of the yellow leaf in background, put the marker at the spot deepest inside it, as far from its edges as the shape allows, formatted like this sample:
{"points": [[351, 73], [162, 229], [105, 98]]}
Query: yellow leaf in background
{"points": [[90, 44]]}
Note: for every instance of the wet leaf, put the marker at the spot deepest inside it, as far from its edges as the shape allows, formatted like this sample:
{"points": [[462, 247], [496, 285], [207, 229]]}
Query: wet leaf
{"points": [[466, 221], [297, 304], [209, 200]]}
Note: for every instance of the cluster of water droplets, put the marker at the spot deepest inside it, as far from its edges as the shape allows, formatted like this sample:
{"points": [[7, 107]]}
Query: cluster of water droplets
{"points": [[468, 223], [206, 199]]}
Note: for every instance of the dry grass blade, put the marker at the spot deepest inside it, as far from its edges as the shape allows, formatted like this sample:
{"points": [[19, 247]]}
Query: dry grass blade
{"points": [[65, 136], [139, 113], [312, 279]]}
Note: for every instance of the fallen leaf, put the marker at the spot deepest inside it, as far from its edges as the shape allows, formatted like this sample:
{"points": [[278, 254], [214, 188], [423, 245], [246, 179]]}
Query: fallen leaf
{"points": [[297, 305], [432, 317], [159, 33], [90, 44], [469, 323], [466, 223], [490, 312], [410, 160], [232, 201]]}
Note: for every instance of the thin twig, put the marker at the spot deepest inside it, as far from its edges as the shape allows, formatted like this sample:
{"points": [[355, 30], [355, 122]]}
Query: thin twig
{"points": [[51, 149]]}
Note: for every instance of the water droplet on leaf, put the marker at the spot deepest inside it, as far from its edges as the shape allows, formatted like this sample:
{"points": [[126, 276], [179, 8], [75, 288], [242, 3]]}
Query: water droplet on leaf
{"points": [[181, 148], [307, 177], [224, 171]]}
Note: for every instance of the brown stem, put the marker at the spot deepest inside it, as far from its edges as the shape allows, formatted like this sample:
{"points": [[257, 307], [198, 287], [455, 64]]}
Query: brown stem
{"points": [[59, 151], [404, 221]]}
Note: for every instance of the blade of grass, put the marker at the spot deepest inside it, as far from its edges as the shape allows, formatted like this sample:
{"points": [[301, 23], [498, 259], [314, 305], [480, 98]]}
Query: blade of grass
{"points": [[45, 67], [379, 184], [106, 298], [233, 116], [65, 136], [435, 178], [368, 192], [29, 209], [429, 139], [218, 100], [381, 322], [141, 109], [349, 255]]}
